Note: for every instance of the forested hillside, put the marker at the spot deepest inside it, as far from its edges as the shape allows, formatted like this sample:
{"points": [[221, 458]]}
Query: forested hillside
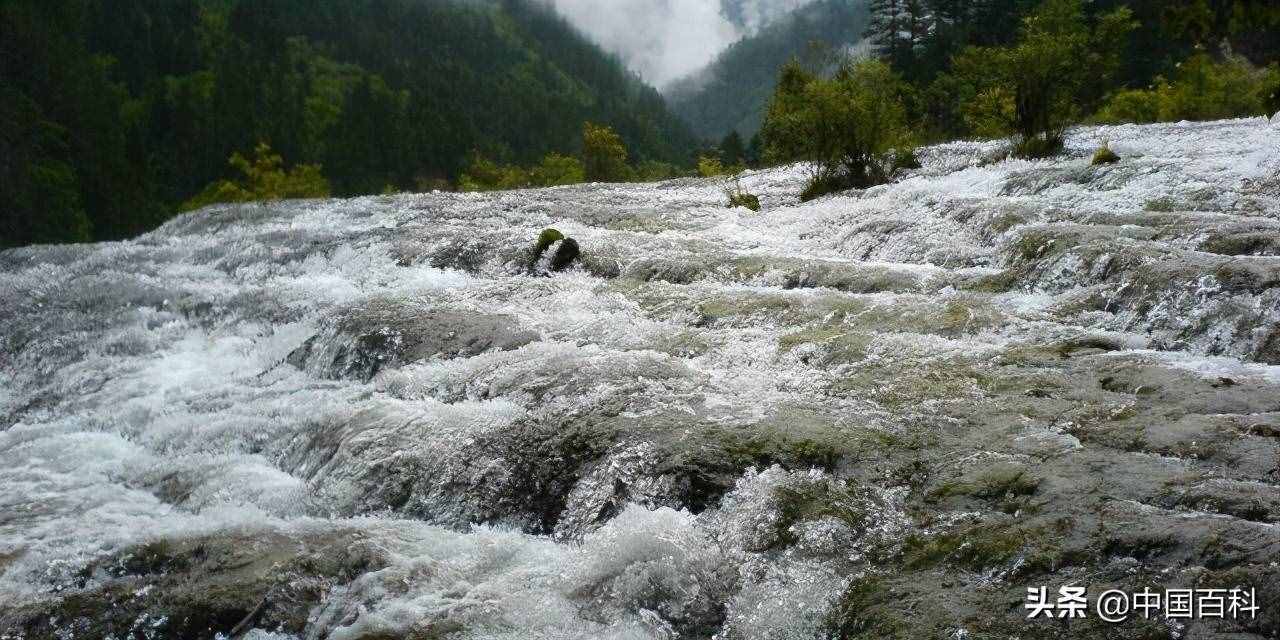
{"points": [[940, 46], [113, 112], [921, 39], [731, 94]]}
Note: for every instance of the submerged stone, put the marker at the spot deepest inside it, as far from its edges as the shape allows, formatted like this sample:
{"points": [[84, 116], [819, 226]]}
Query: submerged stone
{"points": [[565, 254]]}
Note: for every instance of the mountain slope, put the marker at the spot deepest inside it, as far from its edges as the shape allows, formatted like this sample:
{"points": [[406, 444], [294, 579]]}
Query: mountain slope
{"points": [[138, 104], [732, 93]]}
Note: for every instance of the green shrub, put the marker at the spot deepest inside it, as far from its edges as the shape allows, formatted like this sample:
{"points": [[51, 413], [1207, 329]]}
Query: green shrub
{"points": [[556, 169], [1131, 105], [1030, 89], [905, 159], [265, 178], [604, 155], [709, 167], [740, 198], [1202, 89], [846, 128], [483, 174], [1104, 155], [654, 170]]}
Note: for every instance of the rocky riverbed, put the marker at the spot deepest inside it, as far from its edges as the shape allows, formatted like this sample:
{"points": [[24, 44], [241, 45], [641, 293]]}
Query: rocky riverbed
{"points": [[882, 414]]}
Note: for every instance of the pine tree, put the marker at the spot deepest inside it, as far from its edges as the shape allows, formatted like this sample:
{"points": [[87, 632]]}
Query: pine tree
{"points": [[732, 152]]}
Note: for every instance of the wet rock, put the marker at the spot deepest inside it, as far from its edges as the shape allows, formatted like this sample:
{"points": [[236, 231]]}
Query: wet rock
{"points": [[199, 588], [566, 252], [383, 334]]}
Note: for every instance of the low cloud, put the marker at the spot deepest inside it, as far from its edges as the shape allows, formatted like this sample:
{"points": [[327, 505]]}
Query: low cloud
{"points": [[663, 40]]}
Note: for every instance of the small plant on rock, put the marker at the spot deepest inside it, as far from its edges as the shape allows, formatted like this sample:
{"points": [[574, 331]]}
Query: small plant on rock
{"points": [[740, 198], [1104, 155]]}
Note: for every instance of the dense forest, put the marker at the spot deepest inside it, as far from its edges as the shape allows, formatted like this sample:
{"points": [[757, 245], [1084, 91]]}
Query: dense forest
{"points": [[731, 94], [939, 46], [115, 112]]}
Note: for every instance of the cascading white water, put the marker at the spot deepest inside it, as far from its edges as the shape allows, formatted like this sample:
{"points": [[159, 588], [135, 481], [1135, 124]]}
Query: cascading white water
{"points": [[616, 450]]}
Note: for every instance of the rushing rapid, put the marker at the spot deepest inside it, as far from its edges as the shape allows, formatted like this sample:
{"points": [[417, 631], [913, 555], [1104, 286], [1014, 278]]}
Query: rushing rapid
{"points": [[885, 412]]}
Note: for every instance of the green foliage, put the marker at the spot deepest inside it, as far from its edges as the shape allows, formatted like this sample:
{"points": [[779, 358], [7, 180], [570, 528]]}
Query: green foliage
{"points": [[986, 67], [120, 112], [654, 171], [1131, 105], [554, 170], [709, 167], [1030, 89], [486, 175], [265, 178], [1104, 155], [732, 151], [39, 192], [1202, 89], [848, 128], [732, 94], [604, 155], [739, 198]]}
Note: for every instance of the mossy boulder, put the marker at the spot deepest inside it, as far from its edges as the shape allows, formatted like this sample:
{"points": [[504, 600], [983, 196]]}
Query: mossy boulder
{"points": [[547, 238], [566, 250]]}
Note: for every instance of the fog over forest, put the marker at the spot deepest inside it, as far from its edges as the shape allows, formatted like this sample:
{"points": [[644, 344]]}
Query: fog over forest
{"points": [[664, 40]]}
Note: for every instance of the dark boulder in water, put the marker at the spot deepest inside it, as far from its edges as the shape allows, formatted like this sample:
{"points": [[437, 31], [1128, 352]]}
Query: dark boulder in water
{"points": [[565, 254]]}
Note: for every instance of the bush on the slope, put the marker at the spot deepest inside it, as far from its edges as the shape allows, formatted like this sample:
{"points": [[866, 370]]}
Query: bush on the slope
{"points": [[265, 178], [1104, 155], [554, 169], [740, 198], [1030, 89], [709, 167], [848, 128], [604, 155], [1202, 89]]}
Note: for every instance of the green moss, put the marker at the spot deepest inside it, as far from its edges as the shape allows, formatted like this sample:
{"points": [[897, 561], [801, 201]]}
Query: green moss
{"points": [[1001, 480], [1161, 204], [866, 610], [817, 501], [547, 238], [153, 557], [1033, 244], [744, 306], [840, 345], [1002, 282], [982, 547], [709, 458]]}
